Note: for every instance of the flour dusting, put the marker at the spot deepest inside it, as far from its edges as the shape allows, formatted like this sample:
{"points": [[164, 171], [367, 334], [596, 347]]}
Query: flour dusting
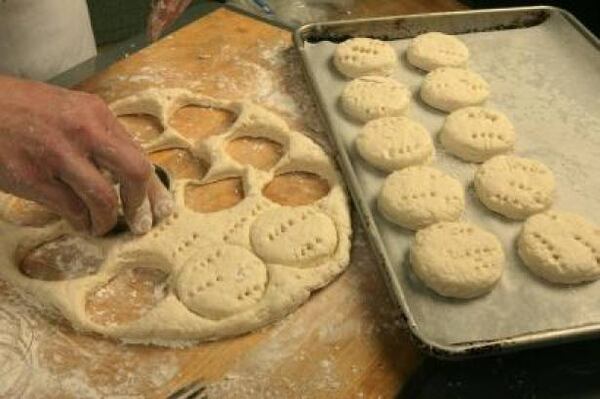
{"points": [[39, 358]]}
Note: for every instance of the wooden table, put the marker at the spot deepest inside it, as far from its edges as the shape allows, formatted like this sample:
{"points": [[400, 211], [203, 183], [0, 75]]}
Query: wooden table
{"points": [[347, 341]]}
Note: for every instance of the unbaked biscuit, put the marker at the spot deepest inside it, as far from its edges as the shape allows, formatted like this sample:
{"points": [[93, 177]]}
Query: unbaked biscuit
{"points": [[457, 259], [475, 134], [515, 187], [363, 56], [372, 97], [449, 88], [434, 49], [418, 196], [394, 143], [561, 247]]}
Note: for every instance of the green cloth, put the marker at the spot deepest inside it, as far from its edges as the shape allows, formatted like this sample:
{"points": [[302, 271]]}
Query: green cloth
{"points": [[116, 20]]}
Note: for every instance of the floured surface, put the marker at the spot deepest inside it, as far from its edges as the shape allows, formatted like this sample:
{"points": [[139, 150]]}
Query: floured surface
{"points": [[545, 79], [40, 358]]}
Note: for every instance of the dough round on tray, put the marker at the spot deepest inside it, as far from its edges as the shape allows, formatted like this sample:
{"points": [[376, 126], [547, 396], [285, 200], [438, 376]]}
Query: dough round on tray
{"points": [[476, 134], [372, 97], [561, 247], [515, 187], [419, 196], [434, 49], [363, 56], [449, 88], [394, 143], [457, 259]]}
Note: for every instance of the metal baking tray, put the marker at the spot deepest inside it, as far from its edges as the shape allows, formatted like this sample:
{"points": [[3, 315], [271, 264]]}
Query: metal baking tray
{"points": [[543, 67]]}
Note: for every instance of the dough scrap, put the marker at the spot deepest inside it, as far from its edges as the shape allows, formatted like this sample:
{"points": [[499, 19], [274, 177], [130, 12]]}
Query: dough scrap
{"points": [[449, 88], [419, 196], [394, 143], [293, 236], [201, 302], [457, 259], [221, 280], [363, 56], [434, 49], [372, 97], [561, 247], [515, 187], [476, 134]]}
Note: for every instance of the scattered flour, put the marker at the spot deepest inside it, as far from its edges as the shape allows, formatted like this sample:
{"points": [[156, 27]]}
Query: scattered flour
{"points": [[38, 358]]}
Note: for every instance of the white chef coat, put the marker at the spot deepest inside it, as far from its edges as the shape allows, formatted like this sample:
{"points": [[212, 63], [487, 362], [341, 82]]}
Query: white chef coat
{"points": [[39, 39]]}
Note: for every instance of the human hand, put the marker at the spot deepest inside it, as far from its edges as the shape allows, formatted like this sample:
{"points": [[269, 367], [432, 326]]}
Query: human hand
{"points": [[55, 145], [163, 14]]}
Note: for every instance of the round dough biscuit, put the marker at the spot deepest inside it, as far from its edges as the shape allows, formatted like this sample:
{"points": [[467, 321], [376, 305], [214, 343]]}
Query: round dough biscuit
{"points": [[372, 97], [434, 49], [419, 196], [293, 236], [449, 88], [561, 247], [457, 259], [476, 134], [221, 280], [363, 56], [394, 143], [515, 187]]}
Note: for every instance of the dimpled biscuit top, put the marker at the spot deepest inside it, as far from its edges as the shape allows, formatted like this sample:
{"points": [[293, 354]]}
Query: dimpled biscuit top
{"points": [[561, 247], [418, 196], [394, 143], [363, 56], [434, 49], [449, 89], [476, 133], [372, 97], [457, 259], [515, 187]]}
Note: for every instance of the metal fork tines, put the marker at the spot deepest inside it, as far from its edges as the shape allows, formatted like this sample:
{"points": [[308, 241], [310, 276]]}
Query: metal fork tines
{"points": [[193, 390]]}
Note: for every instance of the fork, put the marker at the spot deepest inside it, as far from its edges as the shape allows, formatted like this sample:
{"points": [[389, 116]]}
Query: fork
{"points": [[193, 390]]}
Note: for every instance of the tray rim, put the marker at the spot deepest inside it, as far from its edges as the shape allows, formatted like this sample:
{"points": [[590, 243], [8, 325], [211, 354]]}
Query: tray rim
{"points": [[441, 350]]}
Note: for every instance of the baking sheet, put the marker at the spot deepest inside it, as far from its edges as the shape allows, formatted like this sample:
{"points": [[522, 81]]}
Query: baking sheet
{"points": [[546, 78]]}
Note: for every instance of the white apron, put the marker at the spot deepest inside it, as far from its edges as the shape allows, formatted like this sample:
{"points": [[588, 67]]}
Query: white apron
{"points": [[39, 39]]}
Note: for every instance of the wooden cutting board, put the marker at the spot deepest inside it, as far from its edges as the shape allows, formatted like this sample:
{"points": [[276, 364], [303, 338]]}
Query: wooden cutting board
{"points": [[346, 339], [345, 342]]}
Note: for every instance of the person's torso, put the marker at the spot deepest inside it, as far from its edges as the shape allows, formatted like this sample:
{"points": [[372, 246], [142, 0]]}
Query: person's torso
{"points": [[42, 38]]}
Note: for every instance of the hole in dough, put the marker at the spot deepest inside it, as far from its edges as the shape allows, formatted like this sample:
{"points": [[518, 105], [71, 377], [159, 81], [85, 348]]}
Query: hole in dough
{"points": [[64, 258], [200, 122], [259, 152], [215, 196], [296, 188], [142, 127], [26, 213], [127, 296], [181, 164]]}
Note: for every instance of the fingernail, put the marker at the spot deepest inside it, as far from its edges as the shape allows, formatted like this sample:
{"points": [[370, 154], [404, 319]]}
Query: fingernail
{"points": [[142, 219], [164, 208], [144, 225]]}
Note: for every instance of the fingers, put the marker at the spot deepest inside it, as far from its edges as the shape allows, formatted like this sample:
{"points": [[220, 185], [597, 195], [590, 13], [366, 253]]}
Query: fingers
{"points": [[94, 190], [157, 205], [59, 198], [160, 198], [117, 153]]}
